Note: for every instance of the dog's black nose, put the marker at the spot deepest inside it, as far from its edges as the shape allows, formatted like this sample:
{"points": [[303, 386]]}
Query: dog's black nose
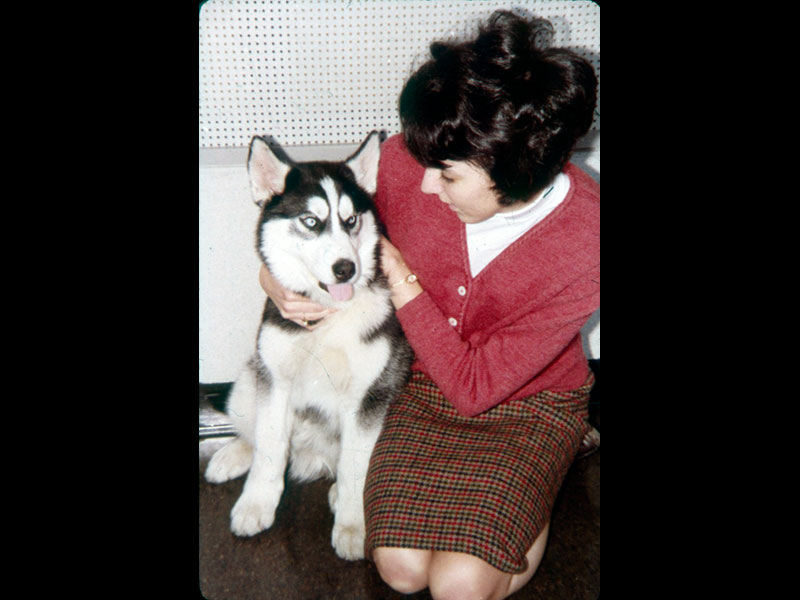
{"points": [[344, 269]]}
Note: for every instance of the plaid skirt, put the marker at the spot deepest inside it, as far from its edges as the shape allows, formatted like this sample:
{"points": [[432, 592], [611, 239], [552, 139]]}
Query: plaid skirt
{"points": [[482, 485]]}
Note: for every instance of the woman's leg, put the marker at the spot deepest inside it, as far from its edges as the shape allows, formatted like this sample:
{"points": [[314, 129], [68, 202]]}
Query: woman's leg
{"points": [[403, 569], [534, 557], [453, 575]]}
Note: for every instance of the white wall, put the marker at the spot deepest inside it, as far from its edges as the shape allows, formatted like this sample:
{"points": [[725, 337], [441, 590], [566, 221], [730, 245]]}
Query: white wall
{"points": [[328, 71], [230, 297]]}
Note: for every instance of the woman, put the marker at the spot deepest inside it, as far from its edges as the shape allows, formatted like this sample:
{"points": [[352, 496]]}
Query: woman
{"points": [[492, 283]]}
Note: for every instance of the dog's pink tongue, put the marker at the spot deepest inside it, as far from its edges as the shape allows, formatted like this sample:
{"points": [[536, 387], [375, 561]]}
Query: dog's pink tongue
{"points": [[341, 291]]}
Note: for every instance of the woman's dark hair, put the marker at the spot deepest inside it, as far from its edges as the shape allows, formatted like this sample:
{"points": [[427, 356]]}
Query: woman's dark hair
{"points": [[501, 102]]}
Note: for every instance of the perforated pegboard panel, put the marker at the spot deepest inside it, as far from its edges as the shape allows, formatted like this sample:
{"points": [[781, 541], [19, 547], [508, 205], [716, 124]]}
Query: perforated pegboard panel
{"points": [[315, 72]]}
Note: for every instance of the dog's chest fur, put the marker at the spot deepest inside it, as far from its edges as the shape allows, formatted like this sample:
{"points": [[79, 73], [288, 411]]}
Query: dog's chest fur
{"points": [[332, 366]]}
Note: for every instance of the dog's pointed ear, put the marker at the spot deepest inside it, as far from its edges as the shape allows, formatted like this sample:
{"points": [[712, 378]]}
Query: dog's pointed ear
{"points": [[267, 172], [364, 163]]}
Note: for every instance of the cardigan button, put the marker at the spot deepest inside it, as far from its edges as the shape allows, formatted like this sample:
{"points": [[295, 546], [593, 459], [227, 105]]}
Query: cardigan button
{"points": [[462, 291], [452, 321]]}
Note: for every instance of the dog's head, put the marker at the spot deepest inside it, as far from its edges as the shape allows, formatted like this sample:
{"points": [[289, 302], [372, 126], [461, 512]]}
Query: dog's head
{"points": [[318, 232]]}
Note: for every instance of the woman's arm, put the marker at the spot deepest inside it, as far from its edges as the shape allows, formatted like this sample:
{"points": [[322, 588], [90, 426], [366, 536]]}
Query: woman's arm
{"points": [[397, 273], [479, 373]]}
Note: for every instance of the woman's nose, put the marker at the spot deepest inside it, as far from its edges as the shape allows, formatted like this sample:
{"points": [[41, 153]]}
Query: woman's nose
{"points": [[431, 182]]}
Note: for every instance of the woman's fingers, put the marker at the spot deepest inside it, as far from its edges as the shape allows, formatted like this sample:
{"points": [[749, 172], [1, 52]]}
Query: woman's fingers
{"points": [[292, 306]]}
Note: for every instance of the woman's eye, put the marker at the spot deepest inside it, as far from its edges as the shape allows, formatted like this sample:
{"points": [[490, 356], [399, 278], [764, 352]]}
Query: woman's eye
{"points": [[309, 222]]}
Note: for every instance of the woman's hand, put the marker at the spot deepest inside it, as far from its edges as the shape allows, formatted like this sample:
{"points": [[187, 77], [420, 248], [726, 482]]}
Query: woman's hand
{"points": [[397, 272], [293, 307]]}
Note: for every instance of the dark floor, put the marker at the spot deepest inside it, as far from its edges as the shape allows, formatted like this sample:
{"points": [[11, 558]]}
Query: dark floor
{"points": [[294, 559]]}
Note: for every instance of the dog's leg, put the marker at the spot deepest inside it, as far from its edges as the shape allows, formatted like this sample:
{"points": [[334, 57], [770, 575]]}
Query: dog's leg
{"points": [[314, 448], [234, 459], [346, 496], [255, 509]]}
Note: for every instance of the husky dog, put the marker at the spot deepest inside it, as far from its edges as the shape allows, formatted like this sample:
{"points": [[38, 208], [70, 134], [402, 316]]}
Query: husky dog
{"points": [[315, 398]]}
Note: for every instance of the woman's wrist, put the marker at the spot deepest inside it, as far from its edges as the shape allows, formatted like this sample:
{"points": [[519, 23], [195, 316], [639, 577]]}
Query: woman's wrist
{"points": [[404, 290], [403, 283]]}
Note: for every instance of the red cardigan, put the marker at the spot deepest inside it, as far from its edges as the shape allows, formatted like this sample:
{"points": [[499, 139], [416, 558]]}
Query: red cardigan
{"points": [[514, 330]]}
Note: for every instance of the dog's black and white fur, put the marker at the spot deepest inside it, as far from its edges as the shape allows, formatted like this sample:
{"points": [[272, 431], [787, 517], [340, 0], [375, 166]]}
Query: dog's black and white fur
{"points": [[315, 398]]}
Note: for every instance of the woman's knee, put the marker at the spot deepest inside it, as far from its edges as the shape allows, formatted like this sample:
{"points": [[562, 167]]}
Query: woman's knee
{"points": [[534, 556], [403, 569], [457, 576], [453, 575]]}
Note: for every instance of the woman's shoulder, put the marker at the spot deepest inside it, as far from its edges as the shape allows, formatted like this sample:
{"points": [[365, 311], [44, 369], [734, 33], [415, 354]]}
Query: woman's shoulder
{"points": [[397, 166], [582, 181], [395, 147]]}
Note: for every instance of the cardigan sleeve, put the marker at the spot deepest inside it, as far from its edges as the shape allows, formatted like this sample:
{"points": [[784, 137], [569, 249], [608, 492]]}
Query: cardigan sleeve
{"points": [[475, 377]]}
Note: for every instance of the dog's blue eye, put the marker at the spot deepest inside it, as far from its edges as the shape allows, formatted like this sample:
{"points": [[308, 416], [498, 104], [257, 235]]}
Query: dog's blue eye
{"points": [[351, 222], [309, 222]]}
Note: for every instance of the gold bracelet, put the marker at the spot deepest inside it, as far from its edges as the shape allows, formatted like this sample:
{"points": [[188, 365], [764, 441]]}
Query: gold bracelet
{"points": [[410, 278]]}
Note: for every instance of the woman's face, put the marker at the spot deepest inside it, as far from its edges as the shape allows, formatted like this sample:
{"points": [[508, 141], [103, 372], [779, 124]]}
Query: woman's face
{"points": [[465, 188]]}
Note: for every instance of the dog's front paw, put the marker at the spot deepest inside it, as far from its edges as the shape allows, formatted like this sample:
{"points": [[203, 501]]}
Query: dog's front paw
{"points": [[230, 461], [252, 515], [348, 541]]}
